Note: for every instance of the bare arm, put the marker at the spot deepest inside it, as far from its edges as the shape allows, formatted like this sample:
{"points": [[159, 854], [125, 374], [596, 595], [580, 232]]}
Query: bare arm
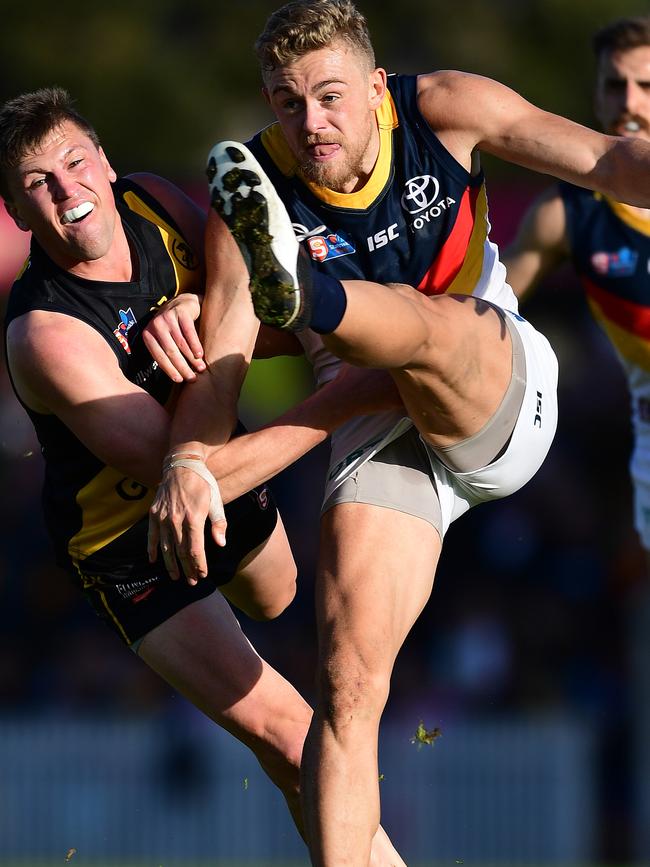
{"points": [[469, 111], [178, 514], [175, 346], [207, 410], [540, 245], [116, 420]]}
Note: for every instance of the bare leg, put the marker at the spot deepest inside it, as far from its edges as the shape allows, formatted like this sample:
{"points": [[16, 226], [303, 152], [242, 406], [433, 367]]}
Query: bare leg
{"points": [[369, 594], [203, 653], [450, 356], [266, 581]]}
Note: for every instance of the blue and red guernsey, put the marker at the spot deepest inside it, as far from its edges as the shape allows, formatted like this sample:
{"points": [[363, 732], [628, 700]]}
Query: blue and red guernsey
{"points": [[610, 248], [420, 219]]}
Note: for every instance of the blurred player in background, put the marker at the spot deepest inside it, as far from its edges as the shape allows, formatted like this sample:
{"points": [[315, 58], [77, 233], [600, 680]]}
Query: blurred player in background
{"points": [[607, 241]]}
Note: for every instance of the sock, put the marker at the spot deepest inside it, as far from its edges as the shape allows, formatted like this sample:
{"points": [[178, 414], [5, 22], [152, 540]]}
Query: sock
{"points": [[328, 303]]}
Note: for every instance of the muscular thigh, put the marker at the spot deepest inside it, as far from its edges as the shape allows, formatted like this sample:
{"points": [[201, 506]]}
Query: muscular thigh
{"points": [[460, 376], [376, 573], [265, 582]]}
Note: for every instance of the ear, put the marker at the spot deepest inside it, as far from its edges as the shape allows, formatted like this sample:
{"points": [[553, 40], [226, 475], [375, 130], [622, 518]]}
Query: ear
{"points": [[110, 173], [12, 210], [266, 95], [378, 86]]}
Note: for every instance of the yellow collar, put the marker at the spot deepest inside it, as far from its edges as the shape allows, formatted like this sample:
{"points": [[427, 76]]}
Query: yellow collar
{"points": [[275, 143]]}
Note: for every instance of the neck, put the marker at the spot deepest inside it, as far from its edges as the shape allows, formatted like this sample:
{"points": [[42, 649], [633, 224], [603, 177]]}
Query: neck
{"points": [[118, 265]]}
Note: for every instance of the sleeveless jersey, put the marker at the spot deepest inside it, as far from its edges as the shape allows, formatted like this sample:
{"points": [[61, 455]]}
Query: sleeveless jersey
{"points": [[90, 507], [610, 248], [420, 219]]}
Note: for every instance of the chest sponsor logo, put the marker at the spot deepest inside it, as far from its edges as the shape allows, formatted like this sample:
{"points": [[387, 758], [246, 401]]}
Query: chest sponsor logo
{"points": [[422, 200], [323, 245], [127, 320], [619, 264]]}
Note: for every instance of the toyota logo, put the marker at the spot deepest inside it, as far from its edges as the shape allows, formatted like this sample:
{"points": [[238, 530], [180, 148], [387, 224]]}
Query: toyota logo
{"points": [[419, 193]]}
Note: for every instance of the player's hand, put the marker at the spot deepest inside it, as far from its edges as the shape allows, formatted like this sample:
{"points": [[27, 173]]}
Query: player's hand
{"points": [[172, 339], [177, 524]]}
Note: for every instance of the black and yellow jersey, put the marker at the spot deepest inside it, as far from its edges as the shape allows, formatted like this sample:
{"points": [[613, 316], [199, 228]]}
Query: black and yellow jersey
{"points": [[90, 507]]}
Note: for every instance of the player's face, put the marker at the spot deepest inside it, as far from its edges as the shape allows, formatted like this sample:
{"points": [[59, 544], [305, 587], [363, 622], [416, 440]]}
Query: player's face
{"points": [[622, 99], [62, 192], [325, 103]]}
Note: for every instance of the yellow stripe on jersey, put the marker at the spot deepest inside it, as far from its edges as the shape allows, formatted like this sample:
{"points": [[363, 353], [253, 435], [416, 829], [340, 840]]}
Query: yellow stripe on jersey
{"points": [[110, 505], [276, 146], [185, 277], [467, 279], [632, 348], [630, 216], [23, 268]]}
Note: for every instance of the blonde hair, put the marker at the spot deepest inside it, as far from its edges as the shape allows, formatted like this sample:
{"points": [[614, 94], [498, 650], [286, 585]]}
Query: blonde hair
{"points": [[307, 25]]}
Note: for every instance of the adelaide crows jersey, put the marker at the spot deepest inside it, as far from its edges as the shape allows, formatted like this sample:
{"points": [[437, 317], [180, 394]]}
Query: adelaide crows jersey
{"points": [[420, 219], [610, 248], [90, 507]]}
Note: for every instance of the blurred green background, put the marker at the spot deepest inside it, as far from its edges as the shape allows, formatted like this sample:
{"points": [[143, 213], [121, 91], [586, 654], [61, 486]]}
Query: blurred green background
{"points": [[162, 79]]}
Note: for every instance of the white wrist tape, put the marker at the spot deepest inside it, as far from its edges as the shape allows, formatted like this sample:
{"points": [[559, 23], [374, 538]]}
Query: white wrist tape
{"points": [[216, 511]]}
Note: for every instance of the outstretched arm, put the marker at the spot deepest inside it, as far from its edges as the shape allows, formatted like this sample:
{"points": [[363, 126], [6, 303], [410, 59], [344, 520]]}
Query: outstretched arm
{"points": [[178, 514], [509, 127], [206, 413]]}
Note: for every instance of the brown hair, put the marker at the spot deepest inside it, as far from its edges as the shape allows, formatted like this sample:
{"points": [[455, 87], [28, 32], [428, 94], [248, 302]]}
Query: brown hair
{"points": [[622, 34], [27, 119], [307, 25]]}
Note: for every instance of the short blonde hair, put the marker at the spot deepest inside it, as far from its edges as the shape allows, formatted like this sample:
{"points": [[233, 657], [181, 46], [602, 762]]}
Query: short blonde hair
{"points": [[307, 25]]}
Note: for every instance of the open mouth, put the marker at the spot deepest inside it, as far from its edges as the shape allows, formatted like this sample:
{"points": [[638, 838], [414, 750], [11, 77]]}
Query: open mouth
{"points": [[75, 215]]}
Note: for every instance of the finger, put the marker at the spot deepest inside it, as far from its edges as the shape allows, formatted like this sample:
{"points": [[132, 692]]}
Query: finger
{"points": [[219, 531], [169, 555], [153, 537], [188, 327], [175, 340], [176, 358], [159, 355], [193, 558]]}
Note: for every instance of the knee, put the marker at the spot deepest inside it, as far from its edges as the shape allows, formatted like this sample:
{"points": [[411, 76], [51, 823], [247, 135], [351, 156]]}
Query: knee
{"points": [[269, 605], [350, 691], [281, 761]]}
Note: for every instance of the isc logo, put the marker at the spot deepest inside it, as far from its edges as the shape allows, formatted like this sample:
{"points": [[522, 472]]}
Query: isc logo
{"points": [[538, 411], [381, 238]]}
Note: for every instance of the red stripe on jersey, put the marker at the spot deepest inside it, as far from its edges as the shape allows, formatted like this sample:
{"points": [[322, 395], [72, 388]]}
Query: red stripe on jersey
{"points": [[634, 318], [450, 259]]}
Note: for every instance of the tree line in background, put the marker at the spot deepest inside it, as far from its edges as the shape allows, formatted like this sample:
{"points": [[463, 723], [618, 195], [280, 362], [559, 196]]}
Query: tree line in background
{"points": [[163, 79]]}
